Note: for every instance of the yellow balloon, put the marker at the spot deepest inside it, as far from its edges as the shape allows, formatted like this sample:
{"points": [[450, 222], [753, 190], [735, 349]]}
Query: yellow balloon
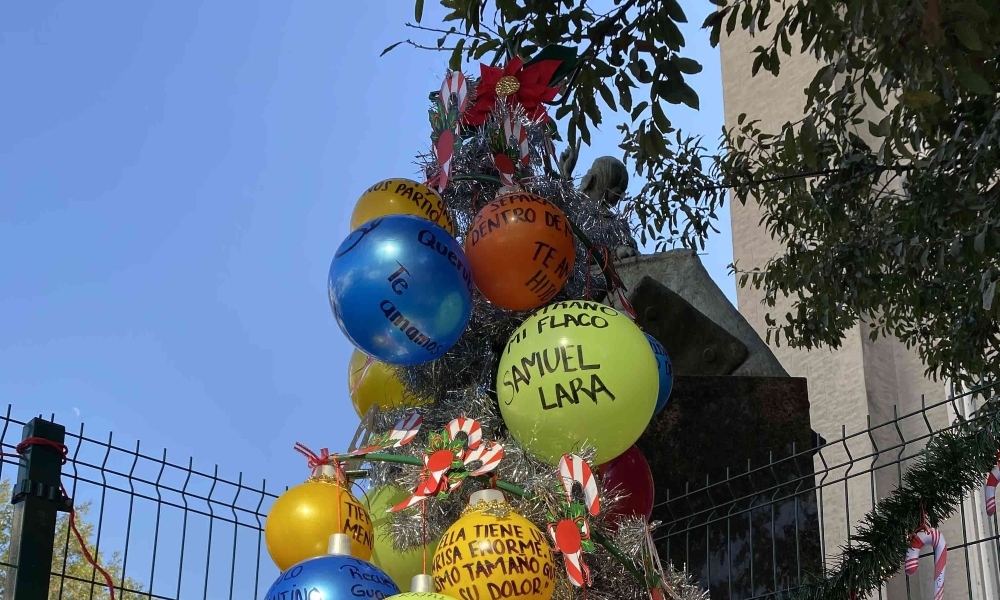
{"points": [[377, 384], [401, 197], [399, 566], [300, 523], [576, 373], [483, 556]]}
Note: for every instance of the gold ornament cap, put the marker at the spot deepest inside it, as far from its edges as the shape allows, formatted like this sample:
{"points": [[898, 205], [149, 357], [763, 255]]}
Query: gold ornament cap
{"points": [[340, 545], [507, 85], [508, 189], [487, 496], [422, 583], [324, 471]]}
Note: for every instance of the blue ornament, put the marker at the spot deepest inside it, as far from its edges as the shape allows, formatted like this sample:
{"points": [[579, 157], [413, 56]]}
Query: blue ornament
{"points": [[332, 577], [666, 373], [401, 289]]}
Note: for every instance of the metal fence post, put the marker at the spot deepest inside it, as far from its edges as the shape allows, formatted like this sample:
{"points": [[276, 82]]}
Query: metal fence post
{"points": [[37, 499]]}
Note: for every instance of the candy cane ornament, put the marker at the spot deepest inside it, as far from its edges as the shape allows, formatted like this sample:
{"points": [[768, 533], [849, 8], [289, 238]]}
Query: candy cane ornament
{"points": [[401, 434], [991, 488], [441, 458], [573, 469], [929, 536], [446, 124], [470, 427], [514, 131], [455, 93], [514, 136], [489, 454], [569, 534]]}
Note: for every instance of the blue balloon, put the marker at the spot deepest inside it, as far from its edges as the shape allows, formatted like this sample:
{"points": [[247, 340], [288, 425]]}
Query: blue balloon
{"points": [[401, 289], [666, 373], [332, 578]]}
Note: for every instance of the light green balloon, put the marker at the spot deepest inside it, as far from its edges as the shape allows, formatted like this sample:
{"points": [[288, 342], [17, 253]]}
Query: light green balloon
{"points": [[577, 373], [399, 566]]}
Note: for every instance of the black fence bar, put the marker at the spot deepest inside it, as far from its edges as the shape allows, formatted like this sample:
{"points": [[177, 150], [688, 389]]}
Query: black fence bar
{"points": [[37, 498]]}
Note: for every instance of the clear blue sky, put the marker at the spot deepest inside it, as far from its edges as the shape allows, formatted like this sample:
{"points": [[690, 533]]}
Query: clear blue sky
{"points": [[174, 179]]}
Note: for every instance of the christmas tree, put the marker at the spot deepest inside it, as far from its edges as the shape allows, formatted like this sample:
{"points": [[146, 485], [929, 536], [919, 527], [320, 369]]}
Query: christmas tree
{"points": [[498, 372]]}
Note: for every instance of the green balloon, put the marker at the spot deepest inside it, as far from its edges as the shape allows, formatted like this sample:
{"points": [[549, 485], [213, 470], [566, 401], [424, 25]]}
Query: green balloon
{"points": [[575, 373], [399, 566]]}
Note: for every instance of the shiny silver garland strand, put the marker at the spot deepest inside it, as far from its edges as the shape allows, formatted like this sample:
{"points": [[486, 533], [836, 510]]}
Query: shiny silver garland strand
{"points": [[461, 384]]}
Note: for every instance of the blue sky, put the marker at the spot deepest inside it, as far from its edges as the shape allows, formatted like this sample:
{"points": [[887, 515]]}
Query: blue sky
{"points": [[174, 180]]}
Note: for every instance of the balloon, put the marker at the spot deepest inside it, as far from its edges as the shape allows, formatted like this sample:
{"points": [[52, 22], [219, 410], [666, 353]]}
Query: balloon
{"points": [[401, 566], [300, 523], [400, 290], [666, 370], [376, 383], [332, 577], [401, 197], [577, 373], [629, 476], [475, 543], [520, 249]]}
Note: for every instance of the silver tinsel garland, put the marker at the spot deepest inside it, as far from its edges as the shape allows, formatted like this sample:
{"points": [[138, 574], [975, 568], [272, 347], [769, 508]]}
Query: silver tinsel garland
{"points": [[461, 383]]}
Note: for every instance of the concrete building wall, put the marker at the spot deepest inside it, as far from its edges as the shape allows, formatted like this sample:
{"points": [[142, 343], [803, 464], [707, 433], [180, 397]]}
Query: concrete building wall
{"points": [[863, 379]]}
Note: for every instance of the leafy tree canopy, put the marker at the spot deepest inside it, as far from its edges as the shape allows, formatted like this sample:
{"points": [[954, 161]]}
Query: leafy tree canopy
{"points": [[883, 192], [79, 581]]}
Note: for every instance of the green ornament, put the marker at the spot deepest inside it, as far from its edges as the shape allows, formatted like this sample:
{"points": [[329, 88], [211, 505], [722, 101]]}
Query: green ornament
{"points": [[399, 566]]}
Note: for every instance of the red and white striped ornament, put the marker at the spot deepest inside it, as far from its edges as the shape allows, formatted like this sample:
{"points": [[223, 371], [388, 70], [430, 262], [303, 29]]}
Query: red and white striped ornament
{"points": [[573, 469], [928, 536], [489, 454], [991, 488], [438, 463], [470, 427], [568, 534], [401, 434], [454, 100], [515, 135], [454, 83]]}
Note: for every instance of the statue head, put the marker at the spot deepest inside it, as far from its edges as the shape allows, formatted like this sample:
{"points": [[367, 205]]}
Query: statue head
{"points": [[606, 181]]}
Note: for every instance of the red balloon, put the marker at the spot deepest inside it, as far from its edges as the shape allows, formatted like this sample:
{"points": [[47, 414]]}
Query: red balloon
{"points": [[629, 476]]}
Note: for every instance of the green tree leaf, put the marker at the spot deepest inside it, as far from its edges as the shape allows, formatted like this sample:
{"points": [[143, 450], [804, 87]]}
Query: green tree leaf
{"points": [[919, 98], [389, 48], [607, 96], [966, 34], [873, 94], [974, 82], [687, 66], [455, 64]]}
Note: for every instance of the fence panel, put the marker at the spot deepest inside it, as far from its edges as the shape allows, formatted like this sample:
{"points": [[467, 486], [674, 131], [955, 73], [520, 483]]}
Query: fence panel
{"points": [[167, 530], [772, 527], [161, 527]]}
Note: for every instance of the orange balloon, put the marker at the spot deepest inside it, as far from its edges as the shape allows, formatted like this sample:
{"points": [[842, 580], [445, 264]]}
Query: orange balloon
{"points": [[520, 250]]}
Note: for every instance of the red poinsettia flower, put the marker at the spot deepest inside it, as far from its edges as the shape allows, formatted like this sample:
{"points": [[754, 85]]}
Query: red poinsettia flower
{"points": [[514, 84]]}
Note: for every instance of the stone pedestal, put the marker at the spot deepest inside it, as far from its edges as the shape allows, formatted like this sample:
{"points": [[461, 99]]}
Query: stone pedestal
{"points": [[733, 464]]}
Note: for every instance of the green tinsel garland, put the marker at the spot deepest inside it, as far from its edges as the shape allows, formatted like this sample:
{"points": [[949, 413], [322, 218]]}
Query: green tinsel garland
{"points": [[954, 463]]}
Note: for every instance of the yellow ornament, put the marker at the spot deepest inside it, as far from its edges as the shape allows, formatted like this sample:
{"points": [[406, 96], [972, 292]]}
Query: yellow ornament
{"points": [[399, 566], [492, 552], [401, 197], [300, 523], [376, 384]]}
